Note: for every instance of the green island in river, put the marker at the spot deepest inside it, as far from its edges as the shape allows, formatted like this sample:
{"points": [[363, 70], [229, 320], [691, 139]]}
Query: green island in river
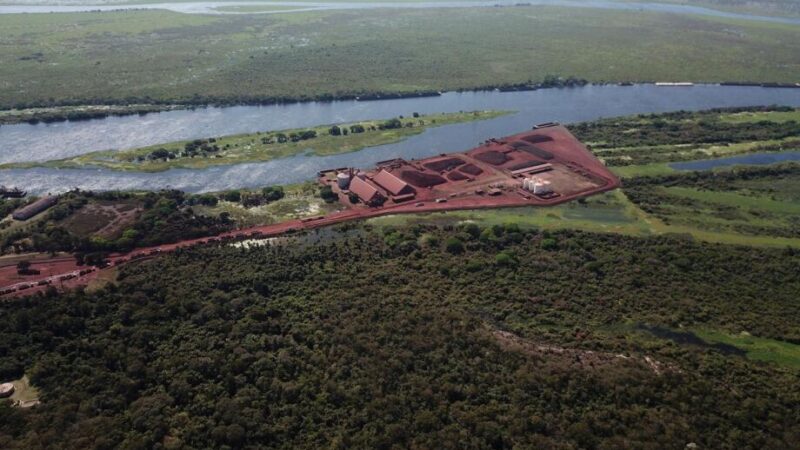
{"points": [[263, 146]]}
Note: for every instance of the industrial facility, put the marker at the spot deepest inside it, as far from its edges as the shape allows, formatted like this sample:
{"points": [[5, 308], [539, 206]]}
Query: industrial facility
{"points": [[544, 166]]}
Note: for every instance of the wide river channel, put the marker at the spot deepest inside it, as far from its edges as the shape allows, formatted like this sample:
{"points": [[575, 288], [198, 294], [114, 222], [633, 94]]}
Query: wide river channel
{"points": [[284, 6], [42, 142]]}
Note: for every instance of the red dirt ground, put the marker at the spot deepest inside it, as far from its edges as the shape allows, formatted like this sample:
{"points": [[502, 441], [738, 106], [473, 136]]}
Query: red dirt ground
{"points": [[571, 161]]}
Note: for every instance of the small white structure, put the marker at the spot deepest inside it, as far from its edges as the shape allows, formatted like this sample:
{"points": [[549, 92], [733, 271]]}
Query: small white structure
{"points": [[537, 186], [541, 189], [343, 180], [527, 184], [6, 390]]}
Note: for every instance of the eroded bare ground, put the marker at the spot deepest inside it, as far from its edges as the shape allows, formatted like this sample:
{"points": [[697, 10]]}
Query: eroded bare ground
{"points": [[580, 359]]}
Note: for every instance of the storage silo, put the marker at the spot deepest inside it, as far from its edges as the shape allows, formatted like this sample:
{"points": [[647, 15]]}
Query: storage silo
{"points": [[343, 180], [6, 390], [527, 184], [541, 188]]}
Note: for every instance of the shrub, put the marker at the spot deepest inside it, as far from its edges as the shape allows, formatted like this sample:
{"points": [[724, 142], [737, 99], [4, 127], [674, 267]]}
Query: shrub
{"points": [[454, 245], [327, 194]]}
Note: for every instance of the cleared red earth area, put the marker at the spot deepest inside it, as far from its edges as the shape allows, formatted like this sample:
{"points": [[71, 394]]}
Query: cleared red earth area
{"points": [[491, 175], [542, 167]]}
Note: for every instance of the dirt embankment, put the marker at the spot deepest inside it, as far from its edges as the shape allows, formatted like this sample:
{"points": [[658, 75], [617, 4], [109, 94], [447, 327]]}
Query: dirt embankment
{"points": [[578, 358]]}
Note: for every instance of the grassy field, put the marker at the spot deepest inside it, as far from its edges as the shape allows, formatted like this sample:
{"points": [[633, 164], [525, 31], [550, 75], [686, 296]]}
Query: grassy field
{"points": [[147, 56], [756, 348], [643, 170], [761, 349], [611, 212], [741, 205], [645, 145], [265, 146], [771, 116], [778, 8], [83, 112], [254, 8]]}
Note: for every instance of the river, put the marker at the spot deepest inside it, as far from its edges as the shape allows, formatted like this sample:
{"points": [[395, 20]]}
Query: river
{"points": [[213, 7], [753, 159], [58, 140]]}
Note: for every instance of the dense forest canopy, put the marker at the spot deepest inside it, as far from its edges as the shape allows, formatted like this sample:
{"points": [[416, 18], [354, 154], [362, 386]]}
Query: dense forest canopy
{"points": [[412, 337]]}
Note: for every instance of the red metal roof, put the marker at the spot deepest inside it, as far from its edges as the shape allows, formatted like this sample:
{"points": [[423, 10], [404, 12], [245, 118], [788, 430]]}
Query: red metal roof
{"points": [[365, 191], [391, 183]]}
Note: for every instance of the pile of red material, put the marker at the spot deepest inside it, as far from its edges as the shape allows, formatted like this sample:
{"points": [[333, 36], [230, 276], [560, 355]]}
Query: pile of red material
{"points": [[492, 157], [456, 176], [471, 169], [538, 152], [444, 164], [536, 138], [421, 179]]}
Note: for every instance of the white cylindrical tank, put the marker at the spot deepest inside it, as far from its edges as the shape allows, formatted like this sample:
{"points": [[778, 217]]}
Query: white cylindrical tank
{"points": [[526, 184], [541, 188], [343, 180], [6, 390]]}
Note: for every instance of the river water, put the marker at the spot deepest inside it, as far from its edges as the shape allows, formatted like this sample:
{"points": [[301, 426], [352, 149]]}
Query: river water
{"points": [[50, 141], [754, 159], [212, 7]]}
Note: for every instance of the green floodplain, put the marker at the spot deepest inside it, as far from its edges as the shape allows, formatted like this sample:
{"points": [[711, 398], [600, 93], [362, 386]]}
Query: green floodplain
{"points": [[171, 58], [264, 146], [757, 7]]}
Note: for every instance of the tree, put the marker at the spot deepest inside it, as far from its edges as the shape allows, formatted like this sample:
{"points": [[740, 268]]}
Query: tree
{"points": [[96, 259], [549, 244], [454, 245], [504, 259], [335, 131], [391, 124], [327, 194], [272, 193], [232, 196]]}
